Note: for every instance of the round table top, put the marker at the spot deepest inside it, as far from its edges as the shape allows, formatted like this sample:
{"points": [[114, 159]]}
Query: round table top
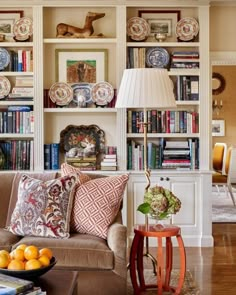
{"points": [[157, 230]]}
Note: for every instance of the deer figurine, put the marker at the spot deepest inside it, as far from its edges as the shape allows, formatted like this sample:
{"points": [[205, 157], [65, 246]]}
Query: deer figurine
{"points": [[68, 31]]}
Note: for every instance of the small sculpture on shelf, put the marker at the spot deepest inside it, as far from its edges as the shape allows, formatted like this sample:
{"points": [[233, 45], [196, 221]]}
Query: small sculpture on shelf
{"points": [[68, 31]]}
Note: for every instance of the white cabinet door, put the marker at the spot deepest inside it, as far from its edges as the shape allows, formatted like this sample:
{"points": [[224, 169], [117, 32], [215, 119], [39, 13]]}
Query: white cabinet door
{"points": [[186, 188]]}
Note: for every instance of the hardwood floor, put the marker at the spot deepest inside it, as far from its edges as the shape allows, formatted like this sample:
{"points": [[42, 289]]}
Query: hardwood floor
{"points": [[214, 269]]}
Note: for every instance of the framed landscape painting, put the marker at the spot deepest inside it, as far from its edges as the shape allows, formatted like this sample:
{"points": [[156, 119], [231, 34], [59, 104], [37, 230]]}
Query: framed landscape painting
{"points": [[161, 21], [81, 65], [218, 127], [7, 20]]}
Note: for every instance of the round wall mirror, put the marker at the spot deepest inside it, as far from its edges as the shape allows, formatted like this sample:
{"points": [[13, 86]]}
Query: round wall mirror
{"points": [[218, 83]]}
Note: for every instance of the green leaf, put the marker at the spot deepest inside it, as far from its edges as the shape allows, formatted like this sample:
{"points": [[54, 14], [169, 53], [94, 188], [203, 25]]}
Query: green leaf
{"points": [[144, 208]]}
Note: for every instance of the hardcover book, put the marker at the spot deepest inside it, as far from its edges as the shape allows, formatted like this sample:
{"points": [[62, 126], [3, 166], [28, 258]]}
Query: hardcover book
{"points": [[11, 285]]}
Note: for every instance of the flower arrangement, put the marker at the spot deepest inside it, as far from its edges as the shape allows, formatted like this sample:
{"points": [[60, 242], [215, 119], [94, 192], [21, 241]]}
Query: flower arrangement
{"points": [[159, 203]]}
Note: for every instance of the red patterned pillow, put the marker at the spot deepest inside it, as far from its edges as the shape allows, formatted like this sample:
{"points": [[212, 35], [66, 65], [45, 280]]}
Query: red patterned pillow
{"points": [[96, 204], [68, 169], [44, 208]]}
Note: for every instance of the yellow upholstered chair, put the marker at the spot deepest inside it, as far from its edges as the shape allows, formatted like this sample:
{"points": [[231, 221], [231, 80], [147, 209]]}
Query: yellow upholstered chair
{"points": [[219, 157], [229, 178]]}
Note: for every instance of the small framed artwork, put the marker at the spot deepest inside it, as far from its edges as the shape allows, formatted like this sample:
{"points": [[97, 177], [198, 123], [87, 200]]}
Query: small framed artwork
{"points": [[81, 65], [218, 127], [7, 20], [161, 21]]}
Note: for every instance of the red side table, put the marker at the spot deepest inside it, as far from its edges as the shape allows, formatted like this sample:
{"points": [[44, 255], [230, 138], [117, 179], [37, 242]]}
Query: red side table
{"points": [[163, 273]]}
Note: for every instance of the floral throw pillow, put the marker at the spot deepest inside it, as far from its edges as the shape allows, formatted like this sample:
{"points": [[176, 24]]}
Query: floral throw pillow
{"points": [[44, 208], [96, 204]]}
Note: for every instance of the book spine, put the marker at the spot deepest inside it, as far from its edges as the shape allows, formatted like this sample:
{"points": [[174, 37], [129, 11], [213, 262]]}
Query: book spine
{"points": [[54, 156], [20, 61], [47, 156]]}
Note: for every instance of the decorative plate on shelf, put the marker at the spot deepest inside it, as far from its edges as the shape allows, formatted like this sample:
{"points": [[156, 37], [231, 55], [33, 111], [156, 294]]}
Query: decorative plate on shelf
{"points": [[187, 28], [157, 57], [61, 93], [23, 28], [5, 87], [83, 139], [102, 93], [138, 28], [4, 58], [82, 94]]}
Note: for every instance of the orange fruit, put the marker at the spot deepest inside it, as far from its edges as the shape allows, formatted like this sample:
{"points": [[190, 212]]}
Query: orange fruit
{"points": [[32, 264], [4, 260], [21, 246], [47, 252], [31, 252], [7, 253], [45, 261], [18, 254], [16, 265]]}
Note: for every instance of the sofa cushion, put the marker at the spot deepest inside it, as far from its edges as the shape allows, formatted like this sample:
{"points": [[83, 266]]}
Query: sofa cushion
{"points": [[80, 251], [44, 208], [7, 239], [14, 189], [96, 204]]}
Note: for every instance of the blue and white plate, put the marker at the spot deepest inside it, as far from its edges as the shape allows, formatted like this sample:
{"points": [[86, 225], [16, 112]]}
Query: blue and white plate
{"points": [[157, 57], [4, 58], [82, 93]]}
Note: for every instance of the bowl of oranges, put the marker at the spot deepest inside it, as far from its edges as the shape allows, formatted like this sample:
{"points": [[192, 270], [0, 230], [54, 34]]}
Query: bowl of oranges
{"points": [[26, 261]]}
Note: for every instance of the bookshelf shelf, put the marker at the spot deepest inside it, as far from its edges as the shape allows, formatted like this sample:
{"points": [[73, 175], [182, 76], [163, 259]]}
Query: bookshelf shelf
{"points": [[16, 103], [80, 110], [163, 44], [80, 41], [15, 74], [16, 136], [163, 135]]}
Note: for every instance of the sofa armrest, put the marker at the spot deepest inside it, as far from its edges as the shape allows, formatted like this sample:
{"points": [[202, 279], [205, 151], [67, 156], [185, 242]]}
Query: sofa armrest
{"points": [[117, 242]]}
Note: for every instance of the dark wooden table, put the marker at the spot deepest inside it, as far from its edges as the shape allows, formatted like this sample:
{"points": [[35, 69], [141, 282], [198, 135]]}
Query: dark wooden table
{"points": [[58, 282]]}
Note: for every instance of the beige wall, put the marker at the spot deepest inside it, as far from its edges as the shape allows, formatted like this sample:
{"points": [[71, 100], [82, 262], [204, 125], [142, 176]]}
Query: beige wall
{"points": [[223, 38], [228, 112]]}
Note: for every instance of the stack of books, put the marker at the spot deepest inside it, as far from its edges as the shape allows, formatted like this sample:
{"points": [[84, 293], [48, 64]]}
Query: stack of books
{"points": [[23, 89], [84, 163], [11, 285], [109, 161], [185, 60]]}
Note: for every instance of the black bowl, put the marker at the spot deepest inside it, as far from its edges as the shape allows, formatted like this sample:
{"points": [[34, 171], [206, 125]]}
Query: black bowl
{"points": [[29, 274]]}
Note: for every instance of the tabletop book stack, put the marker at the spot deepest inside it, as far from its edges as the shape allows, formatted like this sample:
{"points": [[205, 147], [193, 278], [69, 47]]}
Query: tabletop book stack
{"points": [[11, 285], [109, 161]]}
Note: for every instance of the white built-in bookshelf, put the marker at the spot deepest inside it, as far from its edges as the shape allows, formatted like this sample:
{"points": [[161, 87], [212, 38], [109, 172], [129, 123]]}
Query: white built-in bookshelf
{"points": [[193, 186]]}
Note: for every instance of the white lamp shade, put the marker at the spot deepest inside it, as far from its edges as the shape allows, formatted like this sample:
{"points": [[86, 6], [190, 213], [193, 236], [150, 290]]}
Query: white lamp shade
{"points": [[146, 88]]}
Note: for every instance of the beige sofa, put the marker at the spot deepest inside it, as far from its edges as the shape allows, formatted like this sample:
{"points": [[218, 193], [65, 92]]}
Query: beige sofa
{"points": [[101, 263]]}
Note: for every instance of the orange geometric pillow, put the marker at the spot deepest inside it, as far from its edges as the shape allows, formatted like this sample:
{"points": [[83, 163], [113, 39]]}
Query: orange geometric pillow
{"points": [[68, 169], [96, 204]]}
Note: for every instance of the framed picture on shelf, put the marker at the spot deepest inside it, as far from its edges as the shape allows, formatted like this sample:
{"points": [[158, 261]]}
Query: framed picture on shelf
{"points": [[218, 127], [161, 21], [81, 65], [7, 20]]}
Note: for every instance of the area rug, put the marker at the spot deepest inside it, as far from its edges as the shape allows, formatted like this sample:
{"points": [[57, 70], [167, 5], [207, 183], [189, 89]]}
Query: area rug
{"points": [[189, 287], [223, 209]]}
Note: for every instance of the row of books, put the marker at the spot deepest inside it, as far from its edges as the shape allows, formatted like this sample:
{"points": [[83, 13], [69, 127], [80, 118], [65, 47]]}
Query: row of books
{"points": [[184, 60], [109, 161], [187, 88], [163, 121], [162, 155], [10, 285], [17, 119], [18, 154], [21, 61], [51, 156]]}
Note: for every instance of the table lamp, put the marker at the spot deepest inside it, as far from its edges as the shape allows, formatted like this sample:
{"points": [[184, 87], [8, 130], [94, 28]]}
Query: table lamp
{"points": [[146, 88]]}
